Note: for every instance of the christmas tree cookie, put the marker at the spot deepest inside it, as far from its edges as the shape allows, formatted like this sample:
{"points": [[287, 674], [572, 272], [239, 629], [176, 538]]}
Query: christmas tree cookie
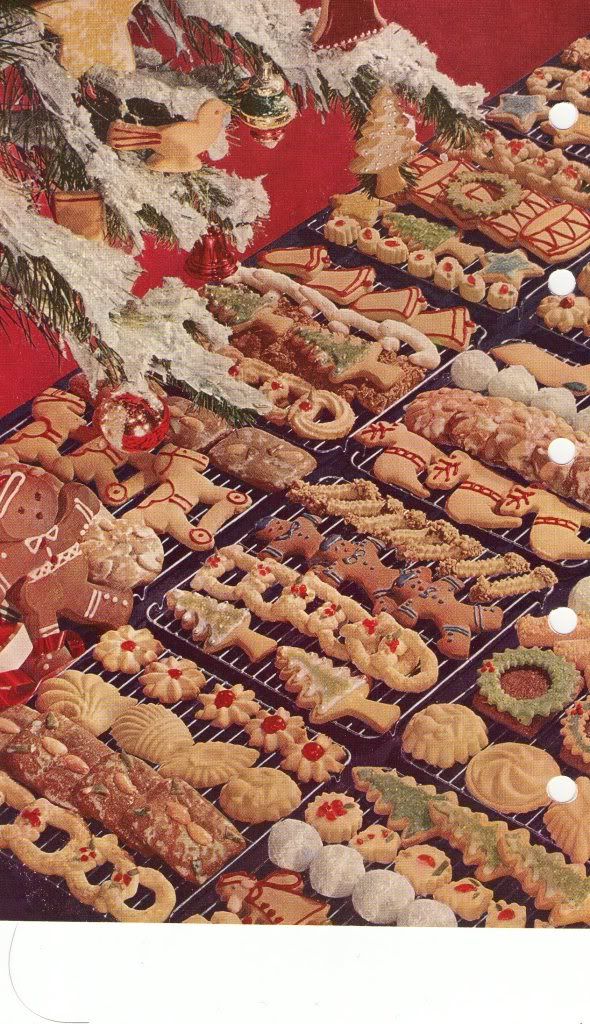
{"points": [[218, 624], [417, 232]]}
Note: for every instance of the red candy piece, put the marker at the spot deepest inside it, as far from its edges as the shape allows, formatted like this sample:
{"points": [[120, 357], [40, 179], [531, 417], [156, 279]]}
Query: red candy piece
{"points": [[273, 723], [174, 673], [128, 645], [224, 699], [312, 751], [506, 915], [426, 858]]}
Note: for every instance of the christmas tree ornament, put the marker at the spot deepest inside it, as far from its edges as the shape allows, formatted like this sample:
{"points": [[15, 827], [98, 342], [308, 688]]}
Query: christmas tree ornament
{"points": [[177, 146], [80, 212], [387, 141], [266, 107], [16, 686], [213, 257], [342, 23], [90, 33], [130, 422]]}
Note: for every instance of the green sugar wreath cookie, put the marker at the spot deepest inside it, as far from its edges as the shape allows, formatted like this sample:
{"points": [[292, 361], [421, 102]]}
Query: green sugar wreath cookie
{"points": [[528, 682], [510, 193]]}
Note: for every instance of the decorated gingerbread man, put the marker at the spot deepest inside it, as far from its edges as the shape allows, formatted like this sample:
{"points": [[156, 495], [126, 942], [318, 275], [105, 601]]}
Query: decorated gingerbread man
{"points": [[358, 562], [183, 486], [284, 537], [56, 414], [416, 596], [276, 899], [43, 572]]}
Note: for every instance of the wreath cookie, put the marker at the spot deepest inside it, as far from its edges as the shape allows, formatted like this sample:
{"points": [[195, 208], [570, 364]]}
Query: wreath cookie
{"points": [[458, 193], [522, 688]]}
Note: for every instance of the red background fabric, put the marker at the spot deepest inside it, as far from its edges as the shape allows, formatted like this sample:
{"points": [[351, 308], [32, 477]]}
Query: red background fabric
{"points": [[491, 41]]}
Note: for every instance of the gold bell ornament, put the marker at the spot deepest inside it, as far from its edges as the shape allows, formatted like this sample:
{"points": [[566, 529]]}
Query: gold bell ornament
{"points": [[266, 107]]}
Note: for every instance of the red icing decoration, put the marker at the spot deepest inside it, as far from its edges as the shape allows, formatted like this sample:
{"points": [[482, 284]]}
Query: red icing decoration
{"points": [[174, 673], [426, 858], [331, 809], [465, 887], [128, 645], [506, 915]]}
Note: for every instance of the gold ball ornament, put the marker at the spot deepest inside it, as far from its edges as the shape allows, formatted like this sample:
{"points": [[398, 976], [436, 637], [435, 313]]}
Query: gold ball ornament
{"points": [[266, 107]]}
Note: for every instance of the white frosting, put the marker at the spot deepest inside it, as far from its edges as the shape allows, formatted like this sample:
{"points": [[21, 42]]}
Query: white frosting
{"points": [[335, 871], [427, 914], [293, 844], [514, 382], [473, 370], [381, 896], [262, 280]]}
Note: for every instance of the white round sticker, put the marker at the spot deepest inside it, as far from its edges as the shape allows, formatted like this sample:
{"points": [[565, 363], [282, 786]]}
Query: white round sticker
{"points": [[563, 116], [561, 789], [562, 620], [562, 451], [561, 282]]}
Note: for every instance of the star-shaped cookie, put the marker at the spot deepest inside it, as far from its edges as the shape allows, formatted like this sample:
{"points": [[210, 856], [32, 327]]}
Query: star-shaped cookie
{"points": [[578, 133], [512, 267], [518, 111], [90, 32], [360, 206]]}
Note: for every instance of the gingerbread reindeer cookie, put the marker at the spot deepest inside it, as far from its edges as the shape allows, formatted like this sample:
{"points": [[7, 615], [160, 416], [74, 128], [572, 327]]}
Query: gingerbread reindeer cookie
{"points": [[56, 414], [96, 461], [183, 486], [479, 491], [416, 595], [42, 569], [405, 456]]}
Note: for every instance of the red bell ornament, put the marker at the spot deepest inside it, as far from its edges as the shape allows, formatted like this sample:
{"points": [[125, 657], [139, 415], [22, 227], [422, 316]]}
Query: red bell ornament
{"points": [[213, 257], [343, 23]]}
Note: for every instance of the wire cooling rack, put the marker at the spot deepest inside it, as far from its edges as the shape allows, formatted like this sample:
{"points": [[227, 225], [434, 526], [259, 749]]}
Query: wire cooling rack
{"points": [[187, 894]]}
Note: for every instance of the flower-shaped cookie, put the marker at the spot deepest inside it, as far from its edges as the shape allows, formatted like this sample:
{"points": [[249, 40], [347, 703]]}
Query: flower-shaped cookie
{"points": [[127, 649], [228, 705], [336, 816], [172, 679], [564, 314], [269, 729], [312, 760]]}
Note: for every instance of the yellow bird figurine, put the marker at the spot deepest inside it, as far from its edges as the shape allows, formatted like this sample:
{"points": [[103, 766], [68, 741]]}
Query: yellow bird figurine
{"points": [[176, 146]]}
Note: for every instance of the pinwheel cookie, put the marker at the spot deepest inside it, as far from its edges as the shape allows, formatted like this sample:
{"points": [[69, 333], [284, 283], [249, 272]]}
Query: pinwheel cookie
{"points": [[511, 777], [85, 698]]}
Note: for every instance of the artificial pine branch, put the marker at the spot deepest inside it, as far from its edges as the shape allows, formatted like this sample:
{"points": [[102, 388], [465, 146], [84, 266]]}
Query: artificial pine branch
{"points": [[213, 402]]}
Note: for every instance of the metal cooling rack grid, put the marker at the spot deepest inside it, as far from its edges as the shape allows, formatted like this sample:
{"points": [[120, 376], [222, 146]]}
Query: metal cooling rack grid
{"points": [[363, 458], [130, 686], [264, 674]]}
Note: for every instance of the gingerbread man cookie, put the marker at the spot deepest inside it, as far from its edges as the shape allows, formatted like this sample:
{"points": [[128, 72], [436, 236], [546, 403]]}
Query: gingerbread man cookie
{"points": [[182, 487], [357, 563], [416, 596], [42, 569], [284, 537], [56, 414]]}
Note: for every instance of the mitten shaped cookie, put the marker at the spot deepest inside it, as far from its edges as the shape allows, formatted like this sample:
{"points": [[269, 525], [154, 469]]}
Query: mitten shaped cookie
{"points": [[416, 596]]}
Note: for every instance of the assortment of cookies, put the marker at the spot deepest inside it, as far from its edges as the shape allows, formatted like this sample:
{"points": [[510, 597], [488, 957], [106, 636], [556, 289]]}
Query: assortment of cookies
{"points": [[360, 609]]}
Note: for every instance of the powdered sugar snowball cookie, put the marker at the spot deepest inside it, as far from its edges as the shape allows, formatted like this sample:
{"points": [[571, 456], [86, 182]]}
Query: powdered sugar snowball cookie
{"points": [[473, 370], [392, 251], [376, 844], [381, 896], [427, 914], [583, 421], [422, 263], [227, 705], [127, 649], [172, 679], [269, 730], [579, 597], [561, 401], [514, 382], [342, 230], [502, 296], [472, 287], [335, 871], [120, 553], [336, 816], [425, 867], [448, 273], [445, 734], [367, 241], [293, 844]]}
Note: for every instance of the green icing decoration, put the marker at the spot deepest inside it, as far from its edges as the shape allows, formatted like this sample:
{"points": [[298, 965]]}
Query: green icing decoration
{"points": [[417, 229], [240, 304], [550, 868], [332, 351], [474, 833], [575, 727], [408, 803], [563, 683]]}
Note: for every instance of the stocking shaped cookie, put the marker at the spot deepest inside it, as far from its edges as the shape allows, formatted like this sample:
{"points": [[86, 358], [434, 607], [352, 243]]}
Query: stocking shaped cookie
{"points": [[183, 486], [416, 596], [405, 456], [479, 492], [554, 533]]}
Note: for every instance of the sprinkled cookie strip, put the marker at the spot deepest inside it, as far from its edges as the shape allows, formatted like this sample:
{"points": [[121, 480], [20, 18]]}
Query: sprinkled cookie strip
{"points": [[540, 578], [497, 565]]}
